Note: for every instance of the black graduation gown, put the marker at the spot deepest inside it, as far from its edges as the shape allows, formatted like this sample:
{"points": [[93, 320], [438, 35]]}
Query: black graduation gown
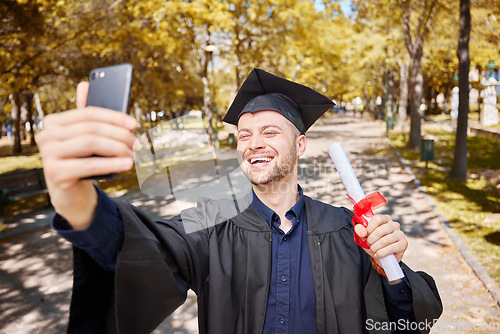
{"points": [[228, 267]]}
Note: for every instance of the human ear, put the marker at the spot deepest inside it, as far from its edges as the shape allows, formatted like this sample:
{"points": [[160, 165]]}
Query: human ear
{"points": [[300, 141]]}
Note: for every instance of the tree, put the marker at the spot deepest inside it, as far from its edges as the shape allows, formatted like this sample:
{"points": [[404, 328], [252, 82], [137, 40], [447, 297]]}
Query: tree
{"points": [[23, 24], [380, 23], [36, 39], [440, 64], [415, 20], [320, 47], [47, 46], [403, 63], [485, 39], [414, 40], [15, 115], [459, 167]]}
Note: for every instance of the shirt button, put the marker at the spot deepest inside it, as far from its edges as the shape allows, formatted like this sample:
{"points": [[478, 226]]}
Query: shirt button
{"points": [[284, 238], [402, 291], [282, 321], [283, 278]]}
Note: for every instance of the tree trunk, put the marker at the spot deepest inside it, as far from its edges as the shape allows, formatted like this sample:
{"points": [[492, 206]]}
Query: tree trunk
{"points": [[298, 67], [39, 115], [429, 93], [27, 116], [417, 82], [381, 112], [237, 72], [3, 120], [137, 114], [32, 120], [459, 167], [390, 92], [403, 93], [23, 116], [446, 94], [15, 115], [435, 101], [207, 100], [415, 47]]}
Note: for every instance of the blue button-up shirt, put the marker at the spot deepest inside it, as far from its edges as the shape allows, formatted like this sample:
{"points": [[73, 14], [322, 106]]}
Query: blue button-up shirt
{"points": [[291, 305]]}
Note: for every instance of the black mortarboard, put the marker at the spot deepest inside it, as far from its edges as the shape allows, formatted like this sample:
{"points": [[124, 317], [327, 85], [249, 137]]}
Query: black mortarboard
{"points": [[261, 90]]}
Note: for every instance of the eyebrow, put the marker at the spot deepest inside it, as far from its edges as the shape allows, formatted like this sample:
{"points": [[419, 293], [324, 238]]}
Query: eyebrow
{"points": [[262, 128]]}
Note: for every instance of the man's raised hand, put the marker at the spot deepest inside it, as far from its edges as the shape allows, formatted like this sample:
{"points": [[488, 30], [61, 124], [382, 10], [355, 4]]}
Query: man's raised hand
{"points": [[80, 143]]}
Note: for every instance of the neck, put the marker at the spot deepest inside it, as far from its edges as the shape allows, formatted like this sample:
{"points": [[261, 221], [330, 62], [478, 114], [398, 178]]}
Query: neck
{"points": [[278, 196]]}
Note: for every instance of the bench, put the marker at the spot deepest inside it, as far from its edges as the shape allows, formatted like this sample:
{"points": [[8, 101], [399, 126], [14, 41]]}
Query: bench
{"points": [[19, 185]]}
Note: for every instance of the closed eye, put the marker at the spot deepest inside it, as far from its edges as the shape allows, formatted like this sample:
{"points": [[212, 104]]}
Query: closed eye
{"points": [[270, 133]]}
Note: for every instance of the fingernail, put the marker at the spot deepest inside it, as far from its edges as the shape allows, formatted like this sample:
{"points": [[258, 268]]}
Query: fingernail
{"points": [[130, 122], [127, 163]]}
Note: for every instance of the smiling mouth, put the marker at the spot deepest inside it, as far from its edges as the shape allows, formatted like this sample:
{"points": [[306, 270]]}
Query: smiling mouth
{"points": [[254, 161], [260, 160]]}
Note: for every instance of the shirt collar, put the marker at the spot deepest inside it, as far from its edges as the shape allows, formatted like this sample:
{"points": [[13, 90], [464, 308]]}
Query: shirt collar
{"points": [[295, 211]]}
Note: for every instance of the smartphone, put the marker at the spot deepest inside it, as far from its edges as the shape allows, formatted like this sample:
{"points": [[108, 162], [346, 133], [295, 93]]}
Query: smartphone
{"points": [[109, 87]]}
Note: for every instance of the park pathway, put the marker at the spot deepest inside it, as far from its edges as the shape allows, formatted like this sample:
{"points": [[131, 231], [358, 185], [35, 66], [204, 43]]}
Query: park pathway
{"points": [[35, 266]]}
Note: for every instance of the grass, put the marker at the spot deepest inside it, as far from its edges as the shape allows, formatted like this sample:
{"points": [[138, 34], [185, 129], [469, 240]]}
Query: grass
{"points": [[27, 160], [468, 206], [473, 118]]}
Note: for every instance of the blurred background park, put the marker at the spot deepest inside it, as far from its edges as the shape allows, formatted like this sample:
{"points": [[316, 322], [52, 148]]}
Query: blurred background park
{"points": [[426, 70], [391, 58]]}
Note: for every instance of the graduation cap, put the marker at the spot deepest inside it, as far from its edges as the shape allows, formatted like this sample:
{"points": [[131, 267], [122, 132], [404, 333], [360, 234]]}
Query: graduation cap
{"points": [[261, 90]]}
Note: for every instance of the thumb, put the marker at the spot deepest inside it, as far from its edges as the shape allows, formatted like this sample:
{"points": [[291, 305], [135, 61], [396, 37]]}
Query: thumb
{"points": [[82, 91], [361, 231]]}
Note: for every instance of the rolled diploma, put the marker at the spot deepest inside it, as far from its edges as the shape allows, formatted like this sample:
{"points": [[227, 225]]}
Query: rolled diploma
{"points": [[351, 184]]}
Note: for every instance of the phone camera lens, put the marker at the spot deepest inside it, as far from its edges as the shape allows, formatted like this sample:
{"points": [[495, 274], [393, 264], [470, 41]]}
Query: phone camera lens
{"points": [[93, 75]]}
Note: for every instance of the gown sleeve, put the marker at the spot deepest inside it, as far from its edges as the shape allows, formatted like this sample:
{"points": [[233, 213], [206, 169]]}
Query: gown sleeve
{"points": [[156, 266], [426, 303]]}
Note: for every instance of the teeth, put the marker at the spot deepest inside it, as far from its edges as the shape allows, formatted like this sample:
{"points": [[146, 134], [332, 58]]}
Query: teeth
{"points": [[256, 160]]}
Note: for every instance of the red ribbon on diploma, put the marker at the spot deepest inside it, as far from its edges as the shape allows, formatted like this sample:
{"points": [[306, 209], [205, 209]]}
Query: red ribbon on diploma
{"points": [[365, 208]]}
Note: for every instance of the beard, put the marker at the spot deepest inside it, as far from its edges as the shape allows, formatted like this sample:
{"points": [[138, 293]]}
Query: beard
{"points": [[279, 169]]}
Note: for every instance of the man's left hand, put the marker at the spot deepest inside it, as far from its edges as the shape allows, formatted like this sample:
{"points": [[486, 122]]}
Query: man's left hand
{"points": [[384, 237]]}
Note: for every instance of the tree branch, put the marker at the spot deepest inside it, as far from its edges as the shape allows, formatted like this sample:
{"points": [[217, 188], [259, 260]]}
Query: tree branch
{"points": [[425, 18], [406, 26], [19, 65]]}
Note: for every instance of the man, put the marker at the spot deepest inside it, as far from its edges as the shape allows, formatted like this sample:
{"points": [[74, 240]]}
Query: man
{"points": [[286, 264]]}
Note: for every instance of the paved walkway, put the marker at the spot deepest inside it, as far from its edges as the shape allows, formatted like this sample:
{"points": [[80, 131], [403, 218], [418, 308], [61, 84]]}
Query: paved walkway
{"points": [[35, 266]]}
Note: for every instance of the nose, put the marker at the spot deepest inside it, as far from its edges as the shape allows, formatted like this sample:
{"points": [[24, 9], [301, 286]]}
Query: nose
{"points": [[256, 142]]}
